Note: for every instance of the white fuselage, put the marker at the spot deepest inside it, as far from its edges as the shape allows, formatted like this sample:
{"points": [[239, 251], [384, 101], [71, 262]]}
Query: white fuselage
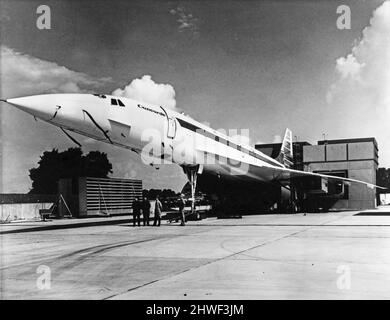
{"points": [[160, 135]]}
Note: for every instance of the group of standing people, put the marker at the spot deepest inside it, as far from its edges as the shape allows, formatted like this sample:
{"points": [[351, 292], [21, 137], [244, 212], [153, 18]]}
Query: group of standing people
{"points": [[143, 206]]}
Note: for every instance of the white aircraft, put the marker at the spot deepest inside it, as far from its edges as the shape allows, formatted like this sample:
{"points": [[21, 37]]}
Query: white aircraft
{"points": [[162, 135]]}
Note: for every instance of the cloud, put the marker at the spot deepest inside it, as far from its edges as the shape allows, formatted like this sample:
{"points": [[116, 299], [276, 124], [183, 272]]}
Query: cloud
{"points": [[240, 138], [186, 20], [349, 67], [127, 170], [145, 89], [277, 139], [23, 74], [360, 96], [365, 71]]}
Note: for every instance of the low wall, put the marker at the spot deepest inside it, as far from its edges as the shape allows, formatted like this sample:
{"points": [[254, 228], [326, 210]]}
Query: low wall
{"points": [[22, 211]]}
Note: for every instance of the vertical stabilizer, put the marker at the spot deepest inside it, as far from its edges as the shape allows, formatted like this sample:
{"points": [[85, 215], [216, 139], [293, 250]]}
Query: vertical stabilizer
{"points": [[285, 156]]}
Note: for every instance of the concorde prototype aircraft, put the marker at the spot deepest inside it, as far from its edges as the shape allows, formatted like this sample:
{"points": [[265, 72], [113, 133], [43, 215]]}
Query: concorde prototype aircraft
{"points": [[161, 135]]}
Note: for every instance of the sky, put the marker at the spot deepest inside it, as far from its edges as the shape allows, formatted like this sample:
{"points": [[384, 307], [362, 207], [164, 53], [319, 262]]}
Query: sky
{"points": [[256, 65]]}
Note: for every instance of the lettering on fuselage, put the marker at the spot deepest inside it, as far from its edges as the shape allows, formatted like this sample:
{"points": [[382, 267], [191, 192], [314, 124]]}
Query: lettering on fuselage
{"points": [[151, 110]]}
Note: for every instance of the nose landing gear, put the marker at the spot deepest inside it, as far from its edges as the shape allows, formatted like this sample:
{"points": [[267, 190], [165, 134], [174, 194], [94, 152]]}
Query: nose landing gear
{"points": [[192, 173]]}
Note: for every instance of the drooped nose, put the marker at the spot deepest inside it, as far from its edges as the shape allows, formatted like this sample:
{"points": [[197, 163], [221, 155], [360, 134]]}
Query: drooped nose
{"points": [[39, 106]]}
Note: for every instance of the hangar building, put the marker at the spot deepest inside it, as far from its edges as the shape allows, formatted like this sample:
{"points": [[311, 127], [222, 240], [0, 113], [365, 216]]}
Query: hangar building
{"points": [[351, 158]]}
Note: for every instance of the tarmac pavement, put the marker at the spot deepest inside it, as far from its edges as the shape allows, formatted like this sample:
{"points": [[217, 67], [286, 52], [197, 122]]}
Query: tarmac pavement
{"points": [[341, 255]]}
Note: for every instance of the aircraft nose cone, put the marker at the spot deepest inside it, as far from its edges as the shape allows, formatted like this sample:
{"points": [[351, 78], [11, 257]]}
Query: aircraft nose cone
{"points": [[35, 105]]}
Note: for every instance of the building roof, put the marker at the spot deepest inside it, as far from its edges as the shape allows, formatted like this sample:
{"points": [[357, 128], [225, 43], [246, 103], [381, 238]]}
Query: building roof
{"points": [[355, 140]]}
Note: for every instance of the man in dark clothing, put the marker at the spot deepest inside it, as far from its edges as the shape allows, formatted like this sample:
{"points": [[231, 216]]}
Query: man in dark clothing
{"points": [[181, 210], [157, 212], [137, 212], [146, 211]]}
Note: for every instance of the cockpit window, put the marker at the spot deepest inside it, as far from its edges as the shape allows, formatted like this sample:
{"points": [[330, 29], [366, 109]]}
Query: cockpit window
{"points": [[117, 102]]}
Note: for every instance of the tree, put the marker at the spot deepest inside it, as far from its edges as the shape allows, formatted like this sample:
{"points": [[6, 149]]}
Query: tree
{"points": [[71, 163], [166, 193], [163, 194], [97, 165]]}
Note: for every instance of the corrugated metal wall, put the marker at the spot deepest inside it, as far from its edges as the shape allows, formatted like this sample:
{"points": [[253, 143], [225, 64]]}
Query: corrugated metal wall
{"points": [[107, 195]]}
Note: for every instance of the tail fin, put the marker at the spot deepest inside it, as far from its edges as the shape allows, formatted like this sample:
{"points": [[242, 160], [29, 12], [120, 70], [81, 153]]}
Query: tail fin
{"points": [[285, 156]]}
